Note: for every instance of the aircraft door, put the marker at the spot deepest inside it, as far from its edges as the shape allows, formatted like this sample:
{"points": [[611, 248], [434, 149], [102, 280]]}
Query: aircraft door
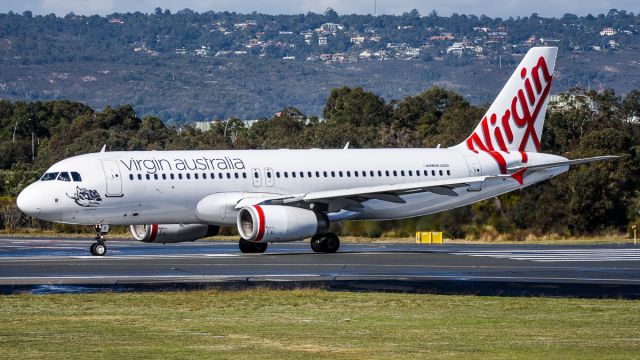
{"points": [[268, 176], [473, 164], [112, 177], [255, 175]]}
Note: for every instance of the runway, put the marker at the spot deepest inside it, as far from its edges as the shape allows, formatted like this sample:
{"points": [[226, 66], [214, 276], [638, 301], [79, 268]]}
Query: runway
{"points": [[64, 265]]}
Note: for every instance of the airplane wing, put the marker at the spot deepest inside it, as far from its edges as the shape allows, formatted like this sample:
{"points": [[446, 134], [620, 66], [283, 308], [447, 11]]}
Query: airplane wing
{"points": [[352, 198]]}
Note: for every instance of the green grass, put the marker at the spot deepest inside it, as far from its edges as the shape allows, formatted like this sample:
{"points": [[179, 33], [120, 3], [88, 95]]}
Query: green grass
{"points": [[314, 324]]}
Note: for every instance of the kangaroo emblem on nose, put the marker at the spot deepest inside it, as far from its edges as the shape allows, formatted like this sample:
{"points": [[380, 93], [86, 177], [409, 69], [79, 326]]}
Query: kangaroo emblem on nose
{"points": [[86, 197]]}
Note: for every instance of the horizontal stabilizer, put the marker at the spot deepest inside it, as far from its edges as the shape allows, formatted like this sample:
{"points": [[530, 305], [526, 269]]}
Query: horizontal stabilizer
{"points": [[562, 163]]}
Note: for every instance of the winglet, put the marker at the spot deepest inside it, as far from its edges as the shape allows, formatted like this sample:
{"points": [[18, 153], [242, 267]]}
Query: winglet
{"points": [[104, 148], [346, 146], [518, 176]]}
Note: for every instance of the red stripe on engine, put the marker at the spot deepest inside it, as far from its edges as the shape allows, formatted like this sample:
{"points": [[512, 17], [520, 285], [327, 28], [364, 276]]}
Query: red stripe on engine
{"points": [[261, 225], [154, 233]]}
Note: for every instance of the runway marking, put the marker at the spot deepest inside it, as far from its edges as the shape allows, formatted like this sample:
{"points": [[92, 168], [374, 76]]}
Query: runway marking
{"points": [[559, 255]]}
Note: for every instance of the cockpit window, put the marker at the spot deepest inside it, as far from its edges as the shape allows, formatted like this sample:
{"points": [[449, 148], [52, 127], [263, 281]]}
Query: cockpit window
{"points": [[76, 177], [64, 176], [49, 176]]}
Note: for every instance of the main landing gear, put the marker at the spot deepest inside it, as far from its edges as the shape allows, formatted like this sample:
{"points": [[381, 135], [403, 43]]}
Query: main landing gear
{"points": [[99, 248], [326, 243], [249, 247]]}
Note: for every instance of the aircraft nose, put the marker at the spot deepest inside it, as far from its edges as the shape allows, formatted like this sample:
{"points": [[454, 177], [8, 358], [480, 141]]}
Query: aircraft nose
{"points": [[28, 202]]}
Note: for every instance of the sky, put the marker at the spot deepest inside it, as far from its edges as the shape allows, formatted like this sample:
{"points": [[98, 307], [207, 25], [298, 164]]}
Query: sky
{"points": [[492, 8]]}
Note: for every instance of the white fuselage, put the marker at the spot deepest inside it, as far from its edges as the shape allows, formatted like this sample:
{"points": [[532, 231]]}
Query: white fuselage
{"points": [[146, 187]]}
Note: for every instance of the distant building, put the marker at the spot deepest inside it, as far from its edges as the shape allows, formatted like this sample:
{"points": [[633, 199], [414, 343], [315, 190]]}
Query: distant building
{"points": [[608, 32], [358, 40], [322, 40], [331, 27], [202, 51], [562, 102]]}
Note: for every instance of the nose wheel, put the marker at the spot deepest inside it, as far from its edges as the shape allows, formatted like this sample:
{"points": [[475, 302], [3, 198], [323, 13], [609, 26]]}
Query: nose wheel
{"points": [[99, 248]]}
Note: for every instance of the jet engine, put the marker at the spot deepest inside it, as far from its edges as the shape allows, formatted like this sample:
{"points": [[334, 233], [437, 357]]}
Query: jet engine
{"points": [[278, 223], [172, 233]]}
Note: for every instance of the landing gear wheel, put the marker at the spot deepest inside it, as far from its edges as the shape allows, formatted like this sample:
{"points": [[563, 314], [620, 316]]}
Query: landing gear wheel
{"points": [[249, 247], [316, 243], [98, 249], [326, 243]]}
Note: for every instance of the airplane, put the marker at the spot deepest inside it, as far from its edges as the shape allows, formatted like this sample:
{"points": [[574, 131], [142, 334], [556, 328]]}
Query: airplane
{"points": [[287, 195]]}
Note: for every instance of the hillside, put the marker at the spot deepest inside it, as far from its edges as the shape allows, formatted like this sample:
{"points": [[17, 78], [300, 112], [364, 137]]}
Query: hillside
{"points": [[189, 66]]}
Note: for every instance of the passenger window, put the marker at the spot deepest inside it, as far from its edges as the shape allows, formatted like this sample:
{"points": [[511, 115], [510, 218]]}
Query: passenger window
{"points": [[171, 176], [164, 176], [148, 177], [301, 174], [269, 175], [213, 176], [195, 176], [76, 177], [228, 175], [401, 172], [448, 172], [155, 176], [371, 173], [440, 172], [387, 172], [395, 173], [49, 176], [188, 176], [180, 176], [219, 175], [340, 173], [204, 175], [333, 174], [355, 173], [325, 173], [379, 173], [293, 174], [236, 175], [309, 174], [64, 176], [410, 173], [417, 172], [348, 173], [286, 174], [364, 173], [244, 175], [278, 174], [433, 173], [256, 174], [139, 176], [426, 173], [130, 176], [317, 173]]}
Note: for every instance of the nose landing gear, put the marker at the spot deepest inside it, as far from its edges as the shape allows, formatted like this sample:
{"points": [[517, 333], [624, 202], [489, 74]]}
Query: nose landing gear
{"points": [[99, 248]]}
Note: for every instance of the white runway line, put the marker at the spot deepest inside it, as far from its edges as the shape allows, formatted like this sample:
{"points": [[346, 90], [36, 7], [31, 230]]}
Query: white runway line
{"points": [[559, 255]]}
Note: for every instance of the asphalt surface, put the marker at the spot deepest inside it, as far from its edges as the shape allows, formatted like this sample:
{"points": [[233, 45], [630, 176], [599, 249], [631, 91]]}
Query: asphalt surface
{"points": [[65, 265]]}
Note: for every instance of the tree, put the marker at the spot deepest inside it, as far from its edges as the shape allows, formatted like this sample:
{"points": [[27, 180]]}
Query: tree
{"points": [[357, 107]]}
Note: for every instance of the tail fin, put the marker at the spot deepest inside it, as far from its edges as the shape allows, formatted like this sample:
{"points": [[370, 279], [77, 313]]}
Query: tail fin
{"points": [[515, 119]]}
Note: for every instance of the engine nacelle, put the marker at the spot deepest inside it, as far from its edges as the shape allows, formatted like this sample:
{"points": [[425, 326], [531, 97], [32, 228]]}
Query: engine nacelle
{"points": [[275, 223], [172, 233]]}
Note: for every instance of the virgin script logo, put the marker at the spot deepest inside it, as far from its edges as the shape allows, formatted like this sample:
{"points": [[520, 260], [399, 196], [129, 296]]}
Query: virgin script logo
{"points": [[523, 112]]}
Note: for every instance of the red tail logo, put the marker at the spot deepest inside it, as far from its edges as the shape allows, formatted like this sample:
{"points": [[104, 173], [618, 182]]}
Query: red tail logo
{"points": [[518, 114]]}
